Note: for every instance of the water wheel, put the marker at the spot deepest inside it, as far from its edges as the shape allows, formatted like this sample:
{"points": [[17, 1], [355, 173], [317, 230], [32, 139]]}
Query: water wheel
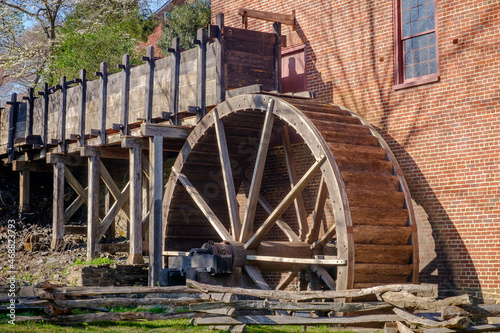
{"points": [[292, 188]]}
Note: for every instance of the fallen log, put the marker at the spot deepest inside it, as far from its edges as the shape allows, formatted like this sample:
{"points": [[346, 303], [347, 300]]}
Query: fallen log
{"points": [[457, 322], [106, 316], [310, 295], [291, 306], [404, 299], [289, 320]]}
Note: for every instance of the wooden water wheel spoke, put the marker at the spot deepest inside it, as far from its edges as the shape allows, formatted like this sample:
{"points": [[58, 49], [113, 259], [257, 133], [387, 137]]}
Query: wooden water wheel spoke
{"points": [[287, 280], [300, 210], [232, 202], [203, 206], [284, 204], [319, 209], [253, 195], [361, 230]]}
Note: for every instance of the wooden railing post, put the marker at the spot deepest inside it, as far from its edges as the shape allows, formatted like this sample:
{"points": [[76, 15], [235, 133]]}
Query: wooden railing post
{"points": [[29, 115], [103, 101], [201, 79], [62, 130], [149, 86], [83, 105], [174, 79], [14, 107], [125, 66], [45, 93], [220, 58], [277, 56]]}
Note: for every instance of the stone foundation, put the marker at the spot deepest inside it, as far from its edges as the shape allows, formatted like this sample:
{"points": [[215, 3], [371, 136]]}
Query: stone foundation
{"points": [[108, 275]]}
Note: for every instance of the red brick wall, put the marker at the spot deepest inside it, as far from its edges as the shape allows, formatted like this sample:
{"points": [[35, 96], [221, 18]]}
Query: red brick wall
{"points": [[446, 135]]}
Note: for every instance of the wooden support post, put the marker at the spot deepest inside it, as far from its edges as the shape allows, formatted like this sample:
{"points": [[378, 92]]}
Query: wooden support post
{"points": [[135, 167], [110, 233], [174, 79], [29, 115], [220, 92], [103, 101], [24, 191], [260, 162], [155, 213], [83, 105], [277, 57], [319, 209], [45, 93], [62, 129], [14, 107], [201, 79], [149, 87], [93, 201], [300, 209], [58, 200], [125, 66]]}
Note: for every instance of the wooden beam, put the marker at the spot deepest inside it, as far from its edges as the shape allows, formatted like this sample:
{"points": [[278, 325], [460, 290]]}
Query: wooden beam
{"points": [[258, 172], [201, 78], [112, 187], [83, 106], [227, 174], [324, 275], [277, 57], [220, 77], [300, 209], [252, 89], [165, 131], [203, 206], [103, 101], [149, 86], [174, 79], [75, 205], [93, 204], [319, 209], [256, 277], [24, 191], [155, 212], [125, 93], [58, 206], [268, 16], [135, 171], [284, 204], [287, 280], [62, 129], [325, 238], [305, 261], [115, 208]]}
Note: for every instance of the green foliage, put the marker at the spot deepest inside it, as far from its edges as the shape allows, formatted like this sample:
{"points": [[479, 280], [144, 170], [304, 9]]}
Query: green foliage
{"points": [[95, 261], [183, 22], [98, 31]]}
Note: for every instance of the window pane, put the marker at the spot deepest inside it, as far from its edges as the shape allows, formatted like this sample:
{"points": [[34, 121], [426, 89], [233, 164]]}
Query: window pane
{"points": [[408, 72], [430, 23], [432, 52], [406, 4], [423, 55], [406, 16], [407, 45], [414, 14], [416, 56], [430, 9], [432, 67], [421, 12], [416, 70], [414, 3], [406, 30], [414, 28], [423, 41], [421, 26], [408, 58], [424, 70], [414, 42], [432, 38]]}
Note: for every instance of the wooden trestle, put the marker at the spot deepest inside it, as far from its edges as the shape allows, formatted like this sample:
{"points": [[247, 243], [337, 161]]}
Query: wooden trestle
{"points": [[140, 114]]}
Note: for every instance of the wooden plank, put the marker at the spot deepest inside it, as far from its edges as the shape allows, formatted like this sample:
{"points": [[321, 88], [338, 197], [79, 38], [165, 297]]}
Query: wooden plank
{"points": [[286, 281], [82, 106], [268, 16], [29, 115], [256, 277], [306, 261], [62, 129], [165, 131], [236, 35], [227, 174], [73, 207], [283, 205], [45, 113], [258, 172], [252, 89], [326, 237], [407, 300], [14, 107], [24, 191], [203, 206], [148, 88], [300, 209], [113, 188], [277, 57], [456, 322], [103, 101], [126, 301], [112, 290], [155, 212], [319, 209], [115, 208], [58, 206], [324, 275], [292, 320]]}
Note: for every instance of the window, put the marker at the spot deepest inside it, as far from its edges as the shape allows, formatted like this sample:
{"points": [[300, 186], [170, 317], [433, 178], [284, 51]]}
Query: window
{"points": [[415, 43]]}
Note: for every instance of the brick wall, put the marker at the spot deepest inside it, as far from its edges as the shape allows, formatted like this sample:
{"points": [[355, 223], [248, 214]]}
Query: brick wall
{"points": [[446, 135]]}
